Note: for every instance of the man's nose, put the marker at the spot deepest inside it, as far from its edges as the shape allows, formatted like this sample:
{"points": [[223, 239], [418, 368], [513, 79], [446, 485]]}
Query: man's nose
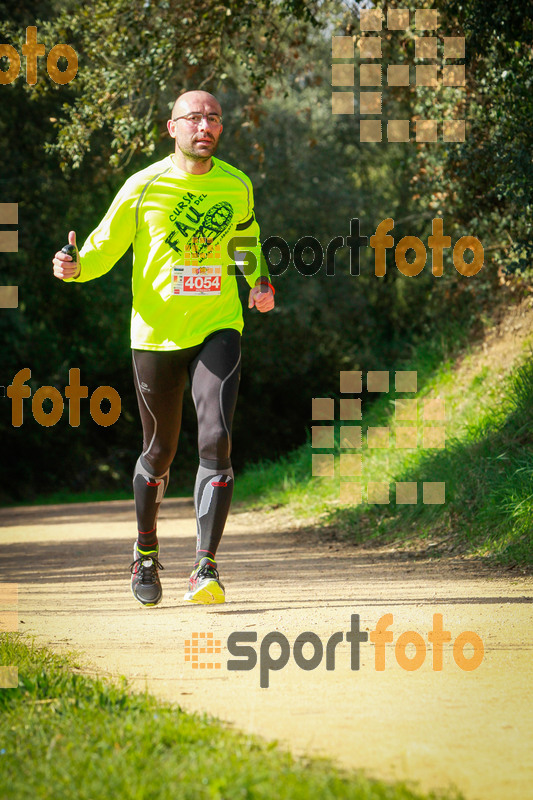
{"points": [[203, 124]]}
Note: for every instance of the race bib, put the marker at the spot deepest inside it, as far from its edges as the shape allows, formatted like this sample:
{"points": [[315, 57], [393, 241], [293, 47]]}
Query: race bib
{"points": [[190, 281]]}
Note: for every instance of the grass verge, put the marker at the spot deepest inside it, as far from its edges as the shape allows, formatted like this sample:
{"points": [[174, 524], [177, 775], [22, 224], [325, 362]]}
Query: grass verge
{"points": [[67, 735], [486, 466]]}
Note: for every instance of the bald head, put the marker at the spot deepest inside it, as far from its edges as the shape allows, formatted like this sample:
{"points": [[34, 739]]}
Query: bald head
{"points": [[196, 100], [196, 126]]}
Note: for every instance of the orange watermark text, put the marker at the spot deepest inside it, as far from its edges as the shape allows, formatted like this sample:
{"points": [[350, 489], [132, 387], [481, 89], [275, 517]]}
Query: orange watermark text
{"points": [[33, 50], [74, 391], [309, 650]]}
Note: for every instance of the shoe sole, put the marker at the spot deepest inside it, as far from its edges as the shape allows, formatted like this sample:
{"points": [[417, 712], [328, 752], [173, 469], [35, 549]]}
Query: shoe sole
{"points": [[142, 603], [212, 592]]}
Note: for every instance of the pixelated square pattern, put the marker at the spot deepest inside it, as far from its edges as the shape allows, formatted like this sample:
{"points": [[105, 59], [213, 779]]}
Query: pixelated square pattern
{"points": [[398, 19], [426, 47], [322, 436], [202, 643], [453, 75], [370, 75], [8, 619], [351, 465], [351, 382], [323, 465], [9, 677], [405, 435], [370, 47], [405, 381], [370, 102], [426, 130], [406, 409], [398, 130], [350, 408], [398, 75], [8, 607], [351, 436], [370, 130], [433, 493], [377, 437], [434, 409], [351, 493], [371, 19], [454, 130], [426, 75], [342, 103], [323, 408], [8, 623], [406, 493], [198, 245], [377, 492], [9, 296], [342, 74], [377, 381], [433, 437], [9, 241], [426, 19], [342, 47], [9, 213], [454, 46], [426, 22]]}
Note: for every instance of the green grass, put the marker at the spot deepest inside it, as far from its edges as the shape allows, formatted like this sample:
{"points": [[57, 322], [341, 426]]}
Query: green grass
{"points": [[66, 735], [488, 470], [487, 466]]}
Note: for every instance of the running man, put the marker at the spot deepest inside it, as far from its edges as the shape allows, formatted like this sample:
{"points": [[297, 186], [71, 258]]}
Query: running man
{"points": [[181, 215]]}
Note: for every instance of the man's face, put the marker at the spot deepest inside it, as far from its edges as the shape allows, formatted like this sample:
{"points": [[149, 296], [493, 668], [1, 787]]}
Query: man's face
{"points": [[196, 140]]}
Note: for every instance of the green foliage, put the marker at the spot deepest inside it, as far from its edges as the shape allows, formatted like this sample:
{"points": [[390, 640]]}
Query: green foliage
{"points": [[67, 149], [135, 58], [487, 181]]}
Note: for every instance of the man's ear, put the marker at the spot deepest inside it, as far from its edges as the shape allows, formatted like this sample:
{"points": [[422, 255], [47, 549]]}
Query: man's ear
{"points": [[171, 127]]}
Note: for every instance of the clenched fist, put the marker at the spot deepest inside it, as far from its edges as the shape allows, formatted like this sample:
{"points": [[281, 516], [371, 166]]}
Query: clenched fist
{"points": [[66, 265], [261, 296]]}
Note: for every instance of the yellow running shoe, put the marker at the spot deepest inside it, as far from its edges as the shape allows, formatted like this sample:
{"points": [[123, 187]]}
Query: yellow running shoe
{"points": [[204, 584]]}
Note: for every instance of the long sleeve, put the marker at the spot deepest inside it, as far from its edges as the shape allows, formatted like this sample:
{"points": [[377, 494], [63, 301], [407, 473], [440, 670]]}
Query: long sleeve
{"points": [[110, 240], [248, 255], [162, 211]]}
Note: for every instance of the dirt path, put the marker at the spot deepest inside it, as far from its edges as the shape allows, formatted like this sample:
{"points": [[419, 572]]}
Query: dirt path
{"points": [[472, 729]]}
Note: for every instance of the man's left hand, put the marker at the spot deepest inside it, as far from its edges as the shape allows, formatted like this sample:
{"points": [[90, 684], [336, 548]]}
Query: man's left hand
{"points": [[262, 297]]}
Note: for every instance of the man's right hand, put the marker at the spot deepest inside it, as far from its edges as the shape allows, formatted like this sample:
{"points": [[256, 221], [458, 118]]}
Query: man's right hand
{"points": [[64, 266]]}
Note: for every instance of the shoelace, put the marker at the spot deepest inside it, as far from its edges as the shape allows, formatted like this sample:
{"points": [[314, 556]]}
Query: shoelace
{"points": [[207, 571], [147, 573]]}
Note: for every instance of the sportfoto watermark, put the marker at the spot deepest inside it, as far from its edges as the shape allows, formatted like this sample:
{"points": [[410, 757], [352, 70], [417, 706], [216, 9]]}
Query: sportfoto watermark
{"points": [[380, 242], [9, 243], [440, 54], [9, 623], [32, 50], [17, 390], [403, 432], [239, 644]]}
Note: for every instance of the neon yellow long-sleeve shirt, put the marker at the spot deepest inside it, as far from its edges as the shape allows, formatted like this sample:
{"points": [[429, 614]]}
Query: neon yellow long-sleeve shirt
{"points": [[181, 227]]}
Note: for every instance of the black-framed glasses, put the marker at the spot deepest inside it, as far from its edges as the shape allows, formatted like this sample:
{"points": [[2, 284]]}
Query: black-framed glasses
{"points": [[196, 118]]}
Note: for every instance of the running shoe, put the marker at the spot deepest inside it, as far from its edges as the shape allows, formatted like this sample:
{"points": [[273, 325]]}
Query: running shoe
{"points": [[204, 584], [145, 583]]}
